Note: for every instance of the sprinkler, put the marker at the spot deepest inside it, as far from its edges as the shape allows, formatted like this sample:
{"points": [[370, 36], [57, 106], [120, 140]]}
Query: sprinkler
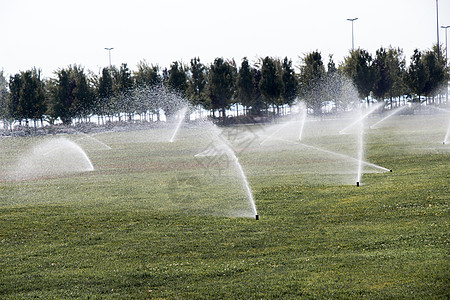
{"points": [[256, 217], [357, 183], [390, 170]]}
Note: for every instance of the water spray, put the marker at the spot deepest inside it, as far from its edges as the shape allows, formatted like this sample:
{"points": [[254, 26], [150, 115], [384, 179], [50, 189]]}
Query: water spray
{"points": [[181, 114], [273, 134], [393, 112], [84, 135], [343, 131], [303, 120]]}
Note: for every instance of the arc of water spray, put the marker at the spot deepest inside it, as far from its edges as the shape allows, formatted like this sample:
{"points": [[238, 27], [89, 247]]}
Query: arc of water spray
{"points": [[302, 124], [447, 135], [273, 134], [393, 112], [238, 165], [344, 156], [337, 154], [181, 113], [94, 139], [360, 143], [362, 117], [83, 153], [230, 152]]}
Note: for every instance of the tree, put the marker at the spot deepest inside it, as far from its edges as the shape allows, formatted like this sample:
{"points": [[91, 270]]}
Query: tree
{"points": [[382, 74], [123, 83], [416, 75], [395, 62], [244, 84], [358, 66], [123, 80], [337, 89], [221, 85], [258, 103], [147, 80], [331, 67], [63, 96], [435, 69], [83, 93], [146, 75], [177, 86], [15, 87], [312, 73], [177, 81], [270, 84], [197, 84], [289, 85], [71, 95], [3, 99], [32, 98], [105, 92]]}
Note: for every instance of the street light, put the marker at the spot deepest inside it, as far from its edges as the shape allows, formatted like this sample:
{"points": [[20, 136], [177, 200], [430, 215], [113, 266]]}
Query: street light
{"points": [[109, 51], [446, 27], [446, 55], [351, 20]]}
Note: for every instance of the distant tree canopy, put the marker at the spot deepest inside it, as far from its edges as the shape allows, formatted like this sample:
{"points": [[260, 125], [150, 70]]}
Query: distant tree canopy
{"points": [[312, 74], [221, 85], [266, 86]]}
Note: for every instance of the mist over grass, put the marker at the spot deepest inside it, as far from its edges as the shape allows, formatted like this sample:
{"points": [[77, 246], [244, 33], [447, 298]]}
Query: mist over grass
{"points": [[153, 220]]}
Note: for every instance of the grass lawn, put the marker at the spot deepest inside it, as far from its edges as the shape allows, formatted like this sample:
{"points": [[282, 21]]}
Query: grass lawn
{"points": [[154, 221]]}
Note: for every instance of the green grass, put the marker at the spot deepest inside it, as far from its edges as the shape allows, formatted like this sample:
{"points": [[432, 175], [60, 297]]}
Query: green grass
{"points": [[154, 223]]}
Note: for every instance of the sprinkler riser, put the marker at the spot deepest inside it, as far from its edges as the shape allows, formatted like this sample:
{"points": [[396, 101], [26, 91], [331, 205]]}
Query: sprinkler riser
{"points": [[357, 183], [256, 217]]}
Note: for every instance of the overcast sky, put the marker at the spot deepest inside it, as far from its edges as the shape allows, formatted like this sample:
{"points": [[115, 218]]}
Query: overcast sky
{"points": [[52, 34]]}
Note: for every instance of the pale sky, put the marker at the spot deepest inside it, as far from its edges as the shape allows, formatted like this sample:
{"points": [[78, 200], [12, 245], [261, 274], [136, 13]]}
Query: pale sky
{"points": [[52, 34]]}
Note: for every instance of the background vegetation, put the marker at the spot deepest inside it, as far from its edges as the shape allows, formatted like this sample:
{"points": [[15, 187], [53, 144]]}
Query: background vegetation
{"points": [[78, 94]]}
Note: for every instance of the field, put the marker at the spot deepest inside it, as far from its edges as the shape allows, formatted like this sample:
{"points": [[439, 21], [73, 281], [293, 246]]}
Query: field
{"points": [[157, 220]]}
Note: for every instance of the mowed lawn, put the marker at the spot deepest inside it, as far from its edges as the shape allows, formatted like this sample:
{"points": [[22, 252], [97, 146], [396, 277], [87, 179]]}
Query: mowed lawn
{"points": [[155, 221]]}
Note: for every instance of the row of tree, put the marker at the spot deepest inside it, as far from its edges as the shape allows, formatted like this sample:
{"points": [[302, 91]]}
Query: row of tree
{"points": [[271, 82]]}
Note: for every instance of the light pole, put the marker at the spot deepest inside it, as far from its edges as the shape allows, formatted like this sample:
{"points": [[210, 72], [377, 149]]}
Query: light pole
{"points": [[109, 51], [438, 50], [446, 57], [437, 27], [351, 20]]}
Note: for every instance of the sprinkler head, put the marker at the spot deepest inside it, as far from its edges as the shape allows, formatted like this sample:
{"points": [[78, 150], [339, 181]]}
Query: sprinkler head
{"points": [[357, 183], [390, 170], [256, 217], [443, 142]]}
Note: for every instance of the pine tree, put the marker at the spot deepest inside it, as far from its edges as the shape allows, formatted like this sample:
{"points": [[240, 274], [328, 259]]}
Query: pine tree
{"points": [[416, 76], [221, 85], [289, 85], [270, 84], [358, 66], [197, 84], [312, 75], [244, 84]]}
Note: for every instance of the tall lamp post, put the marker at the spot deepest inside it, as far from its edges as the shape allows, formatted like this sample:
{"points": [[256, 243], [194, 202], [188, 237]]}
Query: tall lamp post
{"points": [[446, 57], [352, 20], [109, 51]]}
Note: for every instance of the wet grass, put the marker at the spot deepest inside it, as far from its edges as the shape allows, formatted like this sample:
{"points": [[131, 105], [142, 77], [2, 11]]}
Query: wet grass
{"points": [[142, 226]]}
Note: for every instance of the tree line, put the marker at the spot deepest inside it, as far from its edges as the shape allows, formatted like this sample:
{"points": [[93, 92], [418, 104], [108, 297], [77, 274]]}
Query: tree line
{"points": [[117, 92]]}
